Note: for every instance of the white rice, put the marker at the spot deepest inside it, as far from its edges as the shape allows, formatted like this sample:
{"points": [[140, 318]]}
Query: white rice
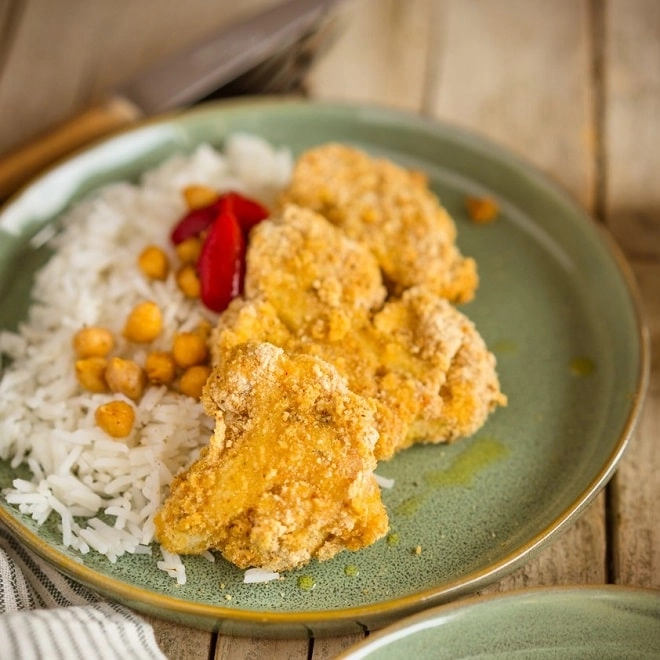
{"points": [[384, 482], [105, 492], [258, 575]]}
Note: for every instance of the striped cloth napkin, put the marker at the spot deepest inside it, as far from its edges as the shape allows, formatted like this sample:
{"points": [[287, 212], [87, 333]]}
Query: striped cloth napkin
{"points": [[45, 615]]}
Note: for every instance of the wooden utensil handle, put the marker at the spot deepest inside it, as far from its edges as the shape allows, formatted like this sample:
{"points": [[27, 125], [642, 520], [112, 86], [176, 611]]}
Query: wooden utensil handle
{"points": [[19, 166]]}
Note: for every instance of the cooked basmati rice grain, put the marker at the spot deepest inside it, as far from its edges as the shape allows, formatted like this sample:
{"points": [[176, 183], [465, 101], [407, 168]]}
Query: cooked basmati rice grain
{"points": [[384, 482], [172, 565], [256, 575], [47, 422], [66, 518], [142, 550]]}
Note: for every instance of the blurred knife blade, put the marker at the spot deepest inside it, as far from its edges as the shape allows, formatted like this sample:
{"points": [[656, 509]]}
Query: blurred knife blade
{"points": [[198, 71], [258, 43]]}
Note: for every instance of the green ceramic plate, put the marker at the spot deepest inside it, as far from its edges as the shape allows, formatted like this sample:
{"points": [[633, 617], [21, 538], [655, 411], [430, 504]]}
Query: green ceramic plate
{"points": [[556, 304], [597, 623]]}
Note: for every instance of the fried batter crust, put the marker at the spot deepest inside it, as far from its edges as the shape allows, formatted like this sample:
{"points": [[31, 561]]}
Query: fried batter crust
{"points": [[391, 211], [420, 360], [288, 474], [321, 282], [318, 373]]}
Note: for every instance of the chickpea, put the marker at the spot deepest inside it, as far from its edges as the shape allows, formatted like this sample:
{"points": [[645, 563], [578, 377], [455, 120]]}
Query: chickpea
{"points": [[188, 281], [193, 380], [93, 342], [203, 329], [126, 377], [144, 323], [90, 373], [153, 262], [189, 349], [116, 418], [197, 196], [188, 251], [160, 367]]}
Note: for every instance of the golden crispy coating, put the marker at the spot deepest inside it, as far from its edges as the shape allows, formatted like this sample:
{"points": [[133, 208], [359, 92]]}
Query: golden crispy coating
{"points": [[257, 320], [317, 374], [288, 475], [422, 361], [316, 277], [245, 321], [438, 366], [391, 211]]}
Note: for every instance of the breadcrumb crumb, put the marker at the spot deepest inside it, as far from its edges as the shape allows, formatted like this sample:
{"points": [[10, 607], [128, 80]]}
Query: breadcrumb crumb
{"points": [[482, 210]]}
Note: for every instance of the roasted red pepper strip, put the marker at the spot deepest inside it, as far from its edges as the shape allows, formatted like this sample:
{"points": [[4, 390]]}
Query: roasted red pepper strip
{"points": [[221, 263], [195, 222], [248, 212]]}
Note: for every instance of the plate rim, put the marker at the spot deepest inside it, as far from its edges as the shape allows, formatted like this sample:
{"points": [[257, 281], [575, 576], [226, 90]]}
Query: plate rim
{"points": [[588, 592], [393, 608]]}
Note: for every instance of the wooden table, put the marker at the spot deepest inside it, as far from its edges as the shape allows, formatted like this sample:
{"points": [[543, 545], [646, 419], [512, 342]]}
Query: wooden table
{"points": [[571, 85]]}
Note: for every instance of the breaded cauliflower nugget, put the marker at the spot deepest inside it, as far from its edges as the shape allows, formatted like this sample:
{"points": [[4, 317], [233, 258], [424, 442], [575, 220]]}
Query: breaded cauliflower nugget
{"points": [[419, 360], [320, 281], [425, 364], [391, 211], [435, 364], [244, 321], [288, 475]]}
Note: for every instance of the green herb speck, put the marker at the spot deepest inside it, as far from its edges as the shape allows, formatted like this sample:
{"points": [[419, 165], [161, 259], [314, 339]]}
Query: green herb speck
{"points": [[306, 582], [582, 366], [504, 346], [410, 505], [483, 452], [392, 539]]}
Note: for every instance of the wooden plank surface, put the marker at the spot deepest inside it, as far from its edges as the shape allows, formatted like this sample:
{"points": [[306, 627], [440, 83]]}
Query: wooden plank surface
{"points": [[331, 647], [241, 648], [177, 641], [382, 55], [636, 487], [572, 86], [518, 71], [632, 126], [64, 53], [506, 69], [632, 211]]}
